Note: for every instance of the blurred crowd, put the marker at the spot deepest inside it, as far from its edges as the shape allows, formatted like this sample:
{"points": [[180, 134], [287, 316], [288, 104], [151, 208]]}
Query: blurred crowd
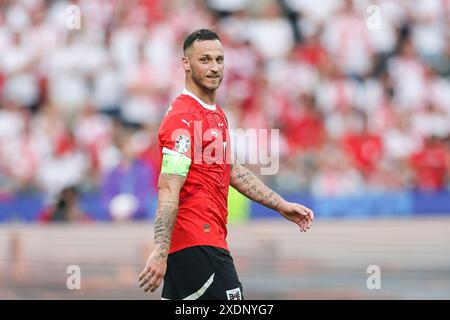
{"points": [[359, 90]]}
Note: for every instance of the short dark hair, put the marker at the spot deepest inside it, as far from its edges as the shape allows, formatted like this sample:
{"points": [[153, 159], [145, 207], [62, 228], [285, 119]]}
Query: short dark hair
{"points": [[199, 35]]}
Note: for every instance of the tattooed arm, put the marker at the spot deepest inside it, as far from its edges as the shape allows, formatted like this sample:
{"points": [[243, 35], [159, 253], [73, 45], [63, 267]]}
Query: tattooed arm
{"points": [[244, 181], [169, 186]]}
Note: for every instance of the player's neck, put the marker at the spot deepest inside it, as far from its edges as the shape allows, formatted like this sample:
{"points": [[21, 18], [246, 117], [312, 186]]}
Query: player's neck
{"points": [[207, 97]]}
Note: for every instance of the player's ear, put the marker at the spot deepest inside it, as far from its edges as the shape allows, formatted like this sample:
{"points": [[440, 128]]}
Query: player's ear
{"points": [[186, 64]]}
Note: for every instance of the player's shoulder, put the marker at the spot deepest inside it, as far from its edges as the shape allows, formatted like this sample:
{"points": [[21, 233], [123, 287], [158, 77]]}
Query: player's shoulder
{"points": [[182, 105], [222, 112], [180, 110]]}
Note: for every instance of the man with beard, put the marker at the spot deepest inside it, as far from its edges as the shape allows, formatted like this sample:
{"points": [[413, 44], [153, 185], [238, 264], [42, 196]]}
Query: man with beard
{"points": [[190, 252]]}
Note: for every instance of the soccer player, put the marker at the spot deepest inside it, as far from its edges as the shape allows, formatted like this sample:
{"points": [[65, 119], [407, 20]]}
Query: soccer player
{"points": [[190, 250]]}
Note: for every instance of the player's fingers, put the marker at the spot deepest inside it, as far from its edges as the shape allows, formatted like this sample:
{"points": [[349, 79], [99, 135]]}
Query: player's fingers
{"points": [[147, 288], [301, 224], [157, 284], [305, 210], [143, 281], [149, 285], [308, 212], [309, 222], [143, 273], [307, 225], [152, 284], [146, 279], [301, 210], [311, 214]]}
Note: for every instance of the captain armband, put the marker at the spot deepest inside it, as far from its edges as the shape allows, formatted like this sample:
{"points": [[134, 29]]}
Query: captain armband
{"points": [[175, 163]]}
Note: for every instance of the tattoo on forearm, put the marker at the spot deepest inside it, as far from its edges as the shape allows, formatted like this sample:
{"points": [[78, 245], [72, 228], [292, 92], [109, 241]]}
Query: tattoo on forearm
{"points": [[249, 185], [164, 222]]}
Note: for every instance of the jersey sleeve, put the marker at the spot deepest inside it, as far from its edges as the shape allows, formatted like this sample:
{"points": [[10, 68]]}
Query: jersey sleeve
{"points": [[177, 134]]}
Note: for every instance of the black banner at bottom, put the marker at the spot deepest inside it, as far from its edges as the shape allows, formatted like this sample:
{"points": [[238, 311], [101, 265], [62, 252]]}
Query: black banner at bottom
{"points": [[248, 309]]}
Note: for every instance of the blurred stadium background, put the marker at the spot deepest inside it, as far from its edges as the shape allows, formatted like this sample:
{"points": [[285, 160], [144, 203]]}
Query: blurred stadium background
{"points": [[360, 91]]}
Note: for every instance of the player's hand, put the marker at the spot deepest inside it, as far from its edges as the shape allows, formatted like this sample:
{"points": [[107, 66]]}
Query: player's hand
{"points": [[154, 271], [300, 215]]}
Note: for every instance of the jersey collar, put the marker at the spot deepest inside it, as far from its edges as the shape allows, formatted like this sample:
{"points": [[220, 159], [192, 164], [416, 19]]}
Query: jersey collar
{"points": [[204, 105]]}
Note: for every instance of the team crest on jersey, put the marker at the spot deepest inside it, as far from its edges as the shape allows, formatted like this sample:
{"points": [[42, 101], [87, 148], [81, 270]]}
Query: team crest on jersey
{"points": [[234, 294], [182, 143]]}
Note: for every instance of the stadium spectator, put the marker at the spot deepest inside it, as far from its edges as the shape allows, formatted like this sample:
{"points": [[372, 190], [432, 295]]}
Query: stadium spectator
{"points": [[313, 68], [127, 187], [65, 209], [430, 165]]}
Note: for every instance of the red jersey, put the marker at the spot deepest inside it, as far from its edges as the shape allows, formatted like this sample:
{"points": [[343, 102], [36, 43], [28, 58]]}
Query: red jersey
{"points": [[201, 133]]}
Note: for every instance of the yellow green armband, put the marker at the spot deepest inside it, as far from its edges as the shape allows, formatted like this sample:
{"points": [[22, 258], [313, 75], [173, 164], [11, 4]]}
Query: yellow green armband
{"points": [[175, 163]]}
